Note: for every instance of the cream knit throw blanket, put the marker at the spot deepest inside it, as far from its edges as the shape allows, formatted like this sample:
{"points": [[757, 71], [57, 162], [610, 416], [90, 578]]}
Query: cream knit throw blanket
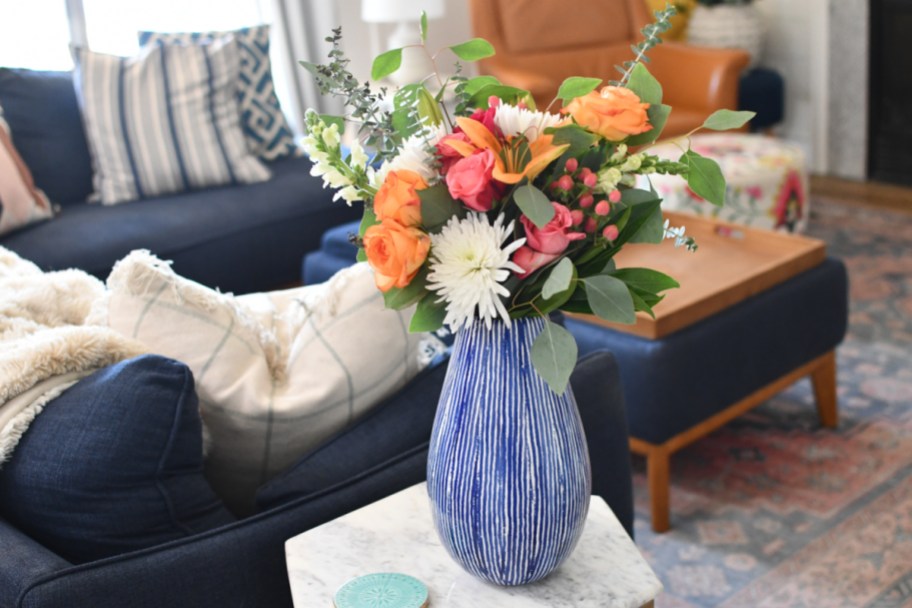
{"points": [[46, 345]]}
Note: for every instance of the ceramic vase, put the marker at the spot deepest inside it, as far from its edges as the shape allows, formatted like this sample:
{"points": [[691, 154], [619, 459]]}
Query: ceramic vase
{"points": [[728, 26], [508, 469]]}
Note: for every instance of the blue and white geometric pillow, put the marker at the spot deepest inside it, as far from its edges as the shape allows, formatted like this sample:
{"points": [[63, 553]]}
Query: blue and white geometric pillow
{"points": [[265, 128]]}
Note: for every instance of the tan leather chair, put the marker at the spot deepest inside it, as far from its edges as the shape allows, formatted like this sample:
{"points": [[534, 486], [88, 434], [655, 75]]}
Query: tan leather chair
{"points": [[539, 43]]}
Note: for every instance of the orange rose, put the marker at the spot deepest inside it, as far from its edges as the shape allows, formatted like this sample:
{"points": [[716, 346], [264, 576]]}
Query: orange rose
{"points": [[395, 252], [614, 113], [397, 198]]}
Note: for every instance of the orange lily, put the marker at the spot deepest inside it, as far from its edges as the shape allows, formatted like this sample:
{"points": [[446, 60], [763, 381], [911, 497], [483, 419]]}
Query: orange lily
{"points": [[515, 158]]}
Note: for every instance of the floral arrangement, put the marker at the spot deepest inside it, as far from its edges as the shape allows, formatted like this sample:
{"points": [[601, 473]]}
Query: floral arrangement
{"points": [[485, 209]]}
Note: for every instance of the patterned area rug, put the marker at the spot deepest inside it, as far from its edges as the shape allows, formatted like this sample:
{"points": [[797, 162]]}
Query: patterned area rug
{"points": [[774, 511]]}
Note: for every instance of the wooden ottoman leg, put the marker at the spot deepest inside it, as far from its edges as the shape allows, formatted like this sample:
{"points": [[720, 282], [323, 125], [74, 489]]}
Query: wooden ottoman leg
{"points": [[657, 465], [824, 381]]}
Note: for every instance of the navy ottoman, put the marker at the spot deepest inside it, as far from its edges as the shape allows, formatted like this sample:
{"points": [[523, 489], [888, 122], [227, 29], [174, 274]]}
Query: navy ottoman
{"points": [[684, 385]]}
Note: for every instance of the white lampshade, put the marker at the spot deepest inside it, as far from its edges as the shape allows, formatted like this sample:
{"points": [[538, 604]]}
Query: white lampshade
{"points": [[395, 11]]}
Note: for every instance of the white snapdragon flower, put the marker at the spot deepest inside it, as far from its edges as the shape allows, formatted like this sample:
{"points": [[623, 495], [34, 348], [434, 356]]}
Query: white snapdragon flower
{"points": [[330, 136], [468, 267], [608, 179], [359, 157], [514, 121], [633, 163]]}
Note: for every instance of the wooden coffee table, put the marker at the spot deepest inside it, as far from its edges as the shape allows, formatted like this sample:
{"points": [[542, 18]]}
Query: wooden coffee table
{"points": [[732, 264]]}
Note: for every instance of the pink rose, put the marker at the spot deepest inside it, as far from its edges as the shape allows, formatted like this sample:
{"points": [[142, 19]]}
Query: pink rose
{"points": [[555, 236], [486, 117], [469, 180], [448, 155], [530, 260]]}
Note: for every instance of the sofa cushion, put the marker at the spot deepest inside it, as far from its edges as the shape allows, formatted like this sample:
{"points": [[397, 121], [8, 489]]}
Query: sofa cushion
{"points": [[43, 113], [114, 464], [265, 128], [240, 239], [277, 373], [165, 120], [21, 202]]}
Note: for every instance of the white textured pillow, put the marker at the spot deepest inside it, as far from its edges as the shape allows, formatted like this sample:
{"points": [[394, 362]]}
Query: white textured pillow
{"points": [[164, 121], [277, 372]]}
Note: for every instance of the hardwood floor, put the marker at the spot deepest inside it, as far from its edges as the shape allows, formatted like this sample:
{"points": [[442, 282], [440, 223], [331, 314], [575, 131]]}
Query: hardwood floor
{"points": [[869, 194]]}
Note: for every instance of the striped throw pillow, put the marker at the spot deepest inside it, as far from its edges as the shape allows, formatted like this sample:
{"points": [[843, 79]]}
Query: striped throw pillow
{"points": [[164, 121], [267, 132], [21, 202]]}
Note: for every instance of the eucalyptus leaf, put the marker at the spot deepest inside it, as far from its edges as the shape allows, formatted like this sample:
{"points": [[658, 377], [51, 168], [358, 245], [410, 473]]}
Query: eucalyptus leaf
{"points": [[644, 84], [704, 177], [473, 50], [473, 85], [429, 314], [437, 207], [658, 115], [368, 219], [558, 279], [554, 355], [579, 138], [645, 279], [576, 86], [722, 120], [397, 298], [423, 26], [534, 204], [610, 299], [508, 94], [386, 63], [652, 230]]}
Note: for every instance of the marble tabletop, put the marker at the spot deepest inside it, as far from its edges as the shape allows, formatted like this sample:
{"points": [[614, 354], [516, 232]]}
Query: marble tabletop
{"points": [[396, 534]]}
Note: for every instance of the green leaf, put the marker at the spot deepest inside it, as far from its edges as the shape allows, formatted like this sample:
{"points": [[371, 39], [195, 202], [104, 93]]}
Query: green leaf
{"points": [[652, 230], [658, 115], [429, 314], [645, 279], [576, 86], [554, 355], [645, 85], [331, 119], [610, 299], [722, 120], [473, 50], [638, 196], [508, 94], [579, 138], [558, 279], [534, 204], [437, 207], [473, 85], [423, 26], [704, 177], [368, 219], [386, 63], [640, 304], [397, 299]]}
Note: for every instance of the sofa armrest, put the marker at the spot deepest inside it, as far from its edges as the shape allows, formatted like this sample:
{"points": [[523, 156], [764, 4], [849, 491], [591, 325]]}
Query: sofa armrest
{"points": [[542, 88], [24, 560], [698, 78]]}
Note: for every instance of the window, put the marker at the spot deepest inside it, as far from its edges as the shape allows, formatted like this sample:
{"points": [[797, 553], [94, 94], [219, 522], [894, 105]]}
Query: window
{"points": [[35, 34], [112, 25]]}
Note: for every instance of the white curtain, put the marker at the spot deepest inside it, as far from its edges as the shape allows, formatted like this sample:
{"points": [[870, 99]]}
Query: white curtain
{"points": [[299, 31]]}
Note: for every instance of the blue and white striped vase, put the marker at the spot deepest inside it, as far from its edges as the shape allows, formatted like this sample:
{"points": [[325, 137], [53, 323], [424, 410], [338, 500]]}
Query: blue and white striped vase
{"points": [[508, 469]]}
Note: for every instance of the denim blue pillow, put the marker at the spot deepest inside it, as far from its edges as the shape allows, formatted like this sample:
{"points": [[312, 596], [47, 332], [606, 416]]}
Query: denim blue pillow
{"points": [[114, 464], [44, 119]]}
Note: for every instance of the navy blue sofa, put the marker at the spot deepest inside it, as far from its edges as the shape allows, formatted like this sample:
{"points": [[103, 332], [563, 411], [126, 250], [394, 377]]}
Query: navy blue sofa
{"points": [[242, 239], [242, 563]]}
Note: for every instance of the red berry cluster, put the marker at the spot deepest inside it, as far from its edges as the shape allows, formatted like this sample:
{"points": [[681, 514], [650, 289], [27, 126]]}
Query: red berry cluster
{"points": [[576, 186]]}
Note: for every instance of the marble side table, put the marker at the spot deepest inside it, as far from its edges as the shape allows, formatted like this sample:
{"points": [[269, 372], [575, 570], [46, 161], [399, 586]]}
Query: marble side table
{"points": [[396, 534]]}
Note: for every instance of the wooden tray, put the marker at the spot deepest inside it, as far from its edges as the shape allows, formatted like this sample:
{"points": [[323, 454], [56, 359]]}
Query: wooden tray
{"points": [[731, 264]]}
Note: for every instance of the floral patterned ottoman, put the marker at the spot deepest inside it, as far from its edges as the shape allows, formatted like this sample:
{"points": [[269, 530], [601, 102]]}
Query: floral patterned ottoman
{"points": [[766, 177]]}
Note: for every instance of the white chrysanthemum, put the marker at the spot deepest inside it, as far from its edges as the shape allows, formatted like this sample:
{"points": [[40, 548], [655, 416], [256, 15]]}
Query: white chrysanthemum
{"points": [[520, 121], [416, 155], [468, 267]]}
